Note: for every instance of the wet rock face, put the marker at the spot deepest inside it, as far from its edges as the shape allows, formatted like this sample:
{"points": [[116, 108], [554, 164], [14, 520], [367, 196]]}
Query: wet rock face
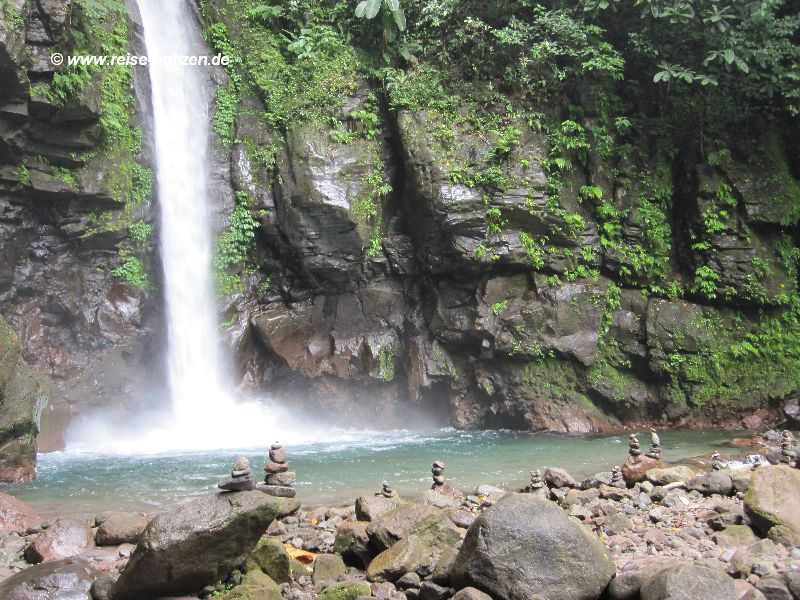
{"points": [[21, 399], [65, 209]]}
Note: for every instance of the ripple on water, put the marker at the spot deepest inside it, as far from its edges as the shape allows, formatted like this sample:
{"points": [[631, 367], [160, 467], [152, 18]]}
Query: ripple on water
{"points": [[337, 471]]}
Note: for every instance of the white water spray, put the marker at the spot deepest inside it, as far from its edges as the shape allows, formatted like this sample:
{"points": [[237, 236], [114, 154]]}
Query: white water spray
{"points": [[205, 416]]}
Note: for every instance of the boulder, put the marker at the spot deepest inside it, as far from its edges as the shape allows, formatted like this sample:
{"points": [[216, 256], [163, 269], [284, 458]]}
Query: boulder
{"points": [[524, 546], [352, 542], [669, 475], [255, 585], [745, 591], [16, 516], [64, 539], [346, 590], [470, 593], [626, 586], [635, 468], [271, 558], [425, 542], [689, 582], [57, 580], [328, 567], [120, 528], [398, 523], [198, 544], [369, 508], [555, 477], [772, 497], [735, 536], [714, 482]]}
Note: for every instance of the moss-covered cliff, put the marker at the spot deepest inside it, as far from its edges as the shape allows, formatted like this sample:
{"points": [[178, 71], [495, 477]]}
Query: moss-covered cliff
{"points": [[510, 214]]}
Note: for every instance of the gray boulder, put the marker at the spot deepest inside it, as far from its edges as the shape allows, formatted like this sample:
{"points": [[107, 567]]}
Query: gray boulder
{"points": [[64, 539], [120, 528], [63, 580], [369, 508], [715, 482], [198, 544], [524, 546], [689, 582], [772, 497]]}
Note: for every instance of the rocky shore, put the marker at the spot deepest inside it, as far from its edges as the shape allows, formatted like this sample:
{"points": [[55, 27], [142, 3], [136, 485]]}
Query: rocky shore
{"points": [[713, 529]]}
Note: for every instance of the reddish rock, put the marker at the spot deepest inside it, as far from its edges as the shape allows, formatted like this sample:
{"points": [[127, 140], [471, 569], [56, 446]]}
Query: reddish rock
{"points": [[273, 467], [636, 467], [16, 516], [64, 539]]}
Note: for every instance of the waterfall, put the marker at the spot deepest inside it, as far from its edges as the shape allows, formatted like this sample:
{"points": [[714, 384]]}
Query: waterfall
{"points": [[180, 117], [204, 413]]}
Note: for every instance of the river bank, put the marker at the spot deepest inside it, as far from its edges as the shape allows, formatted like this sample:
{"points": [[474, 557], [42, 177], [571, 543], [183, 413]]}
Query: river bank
{"points": [[701, 521]]}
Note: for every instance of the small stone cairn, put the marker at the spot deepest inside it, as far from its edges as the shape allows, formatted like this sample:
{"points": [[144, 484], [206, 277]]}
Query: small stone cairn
{"points": [[279, 479], [655, 446], [438, 476], [386, 491], [617, 480], [537, 486], [717, 464], [634, 447], [241, 477], [788, 452]]}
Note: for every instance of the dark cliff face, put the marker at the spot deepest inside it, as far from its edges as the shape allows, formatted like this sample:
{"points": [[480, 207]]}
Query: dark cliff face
{"points": [[407, 258], [74, 194], [421, 261]]}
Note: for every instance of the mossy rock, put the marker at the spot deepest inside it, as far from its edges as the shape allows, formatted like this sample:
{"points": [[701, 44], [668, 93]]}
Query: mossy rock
{"points": [[772, 497], [271, 558], [347, 590], [255, 586]]}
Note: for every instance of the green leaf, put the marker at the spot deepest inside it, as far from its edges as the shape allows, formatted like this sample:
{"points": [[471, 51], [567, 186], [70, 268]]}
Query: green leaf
{"points": [[729, 56], [400, 19], [394, 5], [361, 9], [373, 6]]}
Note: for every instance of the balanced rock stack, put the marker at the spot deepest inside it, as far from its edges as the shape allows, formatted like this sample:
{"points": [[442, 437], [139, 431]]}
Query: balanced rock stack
{"points": [[438, 474], [655, 446], [616, 477], [788, 452], [280, 479], [717, 462], [634, 447], [241, 477], [537, 484], [387, 491]]}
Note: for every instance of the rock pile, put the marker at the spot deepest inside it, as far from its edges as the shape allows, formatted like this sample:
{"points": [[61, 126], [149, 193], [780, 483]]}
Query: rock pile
{"points": [[616, 477], [438, 475], [634, 447], [241, 480], [655, 446], [716, 462], [788, 452], [386, 491], [279, 479]]}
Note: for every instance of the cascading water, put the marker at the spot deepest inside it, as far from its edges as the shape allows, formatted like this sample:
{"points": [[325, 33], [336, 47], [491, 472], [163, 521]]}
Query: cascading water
{"points": [[180, 116], [205, 416]]}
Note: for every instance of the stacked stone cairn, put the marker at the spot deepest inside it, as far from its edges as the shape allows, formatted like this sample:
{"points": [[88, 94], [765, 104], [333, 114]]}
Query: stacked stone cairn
{"points": [[617, 479], [438, 475], [280, 479], [536, 485], [241, 477], [386, 491], [717, 463], [655, 446], [788, 452], [634, 447]]}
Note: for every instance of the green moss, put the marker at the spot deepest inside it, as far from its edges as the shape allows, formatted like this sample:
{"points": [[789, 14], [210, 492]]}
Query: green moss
{"points": [[132, 271], [233, 247], [387, 363]]}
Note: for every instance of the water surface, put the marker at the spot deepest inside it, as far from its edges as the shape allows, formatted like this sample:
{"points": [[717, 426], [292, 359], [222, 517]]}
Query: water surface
{"points": [[337, 472]]}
